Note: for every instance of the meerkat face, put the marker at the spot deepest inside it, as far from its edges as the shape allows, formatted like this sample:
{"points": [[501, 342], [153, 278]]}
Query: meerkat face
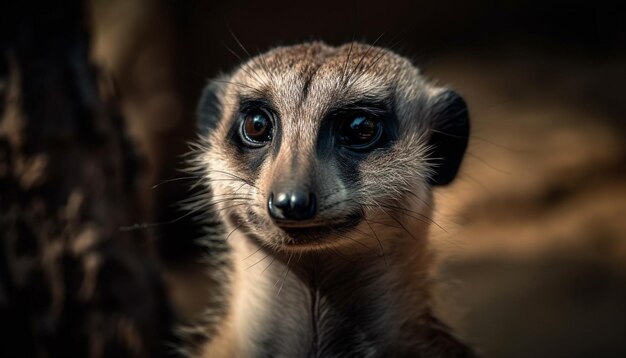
{"points": [[310, 146]]}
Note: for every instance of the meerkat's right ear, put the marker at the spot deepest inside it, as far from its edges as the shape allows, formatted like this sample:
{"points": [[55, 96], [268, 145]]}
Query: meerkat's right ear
{"points": [[210, 106], [449, 135]]}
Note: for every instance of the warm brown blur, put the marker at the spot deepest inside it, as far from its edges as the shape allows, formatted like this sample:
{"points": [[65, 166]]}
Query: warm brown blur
{"points": [[534, 260], [532, 243], [533, 256]]}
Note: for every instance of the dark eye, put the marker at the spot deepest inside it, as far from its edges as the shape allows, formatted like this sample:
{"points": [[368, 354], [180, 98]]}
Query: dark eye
{"points": [[256, 129], [360, 132]]}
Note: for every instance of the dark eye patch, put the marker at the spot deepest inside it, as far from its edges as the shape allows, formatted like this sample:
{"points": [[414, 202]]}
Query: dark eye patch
{"points": [[253, 132], [359, 127]]}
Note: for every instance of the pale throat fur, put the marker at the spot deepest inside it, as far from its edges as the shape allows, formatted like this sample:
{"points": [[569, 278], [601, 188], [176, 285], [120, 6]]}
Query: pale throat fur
{"points": [[320, 163]]}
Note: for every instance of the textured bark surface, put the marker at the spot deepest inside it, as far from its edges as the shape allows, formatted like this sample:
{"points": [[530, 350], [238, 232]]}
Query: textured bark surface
{"points": [[73, 282]]}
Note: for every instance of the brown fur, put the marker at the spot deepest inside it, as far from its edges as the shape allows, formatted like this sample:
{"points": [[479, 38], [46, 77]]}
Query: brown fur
{"points": [[360, 292]]}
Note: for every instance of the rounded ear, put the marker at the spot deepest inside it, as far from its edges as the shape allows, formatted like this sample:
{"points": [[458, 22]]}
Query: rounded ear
{"points": [[449, 136], [209, 109]]}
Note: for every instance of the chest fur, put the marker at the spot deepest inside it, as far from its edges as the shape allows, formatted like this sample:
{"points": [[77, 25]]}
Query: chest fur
{"points": [[318, 312]]}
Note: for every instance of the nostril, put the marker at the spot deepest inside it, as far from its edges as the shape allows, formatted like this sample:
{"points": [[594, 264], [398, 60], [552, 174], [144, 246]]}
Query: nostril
{"points": [[310, 206], [295, 205]]}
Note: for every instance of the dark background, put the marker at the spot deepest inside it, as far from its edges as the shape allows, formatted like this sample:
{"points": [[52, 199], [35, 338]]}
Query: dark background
{"points": [[532, 256]]}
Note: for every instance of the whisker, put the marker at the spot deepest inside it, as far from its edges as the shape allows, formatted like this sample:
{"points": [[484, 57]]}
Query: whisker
{"points": [[251, 71], [173, 180], [264, 64], [234, 176], [422, 217], [270, 264], [246, 67], [232, 206], [407, 212], [487, 164], [345, 65], [235, 229], [478, 182], [254, 264], [284, 275], [358, 242], [239, 42], [225, 200], [252, 254], [420, 199], [358, 65], [384, 224], [400, 223], [340, 255], [138, 226], [380, 244]]}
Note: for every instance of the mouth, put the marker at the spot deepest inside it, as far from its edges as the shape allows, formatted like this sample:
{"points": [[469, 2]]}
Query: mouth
{"points": [[301, 236], [319, 234]]}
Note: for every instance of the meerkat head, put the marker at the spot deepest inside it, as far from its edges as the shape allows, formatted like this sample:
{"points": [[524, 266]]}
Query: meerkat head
{"points": [[309, 146]]}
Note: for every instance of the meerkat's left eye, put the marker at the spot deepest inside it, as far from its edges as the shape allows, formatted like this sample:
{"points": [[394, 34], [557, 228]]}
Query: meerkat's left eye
{"points": [[256, 129], [360, 132]]}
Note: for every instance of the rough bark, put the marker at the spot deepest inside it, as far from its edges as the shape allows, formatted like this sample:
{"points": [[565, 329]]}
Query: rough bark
{"points": [[73, 282]]}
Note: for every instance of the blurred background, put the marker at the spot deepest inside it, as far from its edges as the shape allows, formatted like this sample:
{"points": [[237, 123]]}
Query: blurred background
{"points": [[98, 104]]}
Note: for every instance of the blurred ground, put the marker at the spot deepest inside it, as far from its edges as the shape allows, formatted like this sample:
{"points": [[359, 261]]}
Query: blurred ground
{"points": [[533, 263]]}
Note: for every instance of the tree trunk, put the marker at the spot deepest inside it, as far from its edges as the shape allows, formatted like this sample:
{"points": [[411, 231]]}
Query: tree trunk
{"points": [[74, 281]]}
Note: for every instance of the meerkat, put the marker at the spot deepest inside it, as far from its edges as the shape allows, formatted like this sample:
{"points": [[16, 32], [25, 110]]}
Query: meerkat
{"points": [[320, 163]]}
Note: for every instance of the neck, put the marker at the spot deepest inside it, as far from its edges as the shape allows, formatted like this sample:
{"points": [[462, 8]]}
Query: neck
{"points": [[328, 303]]}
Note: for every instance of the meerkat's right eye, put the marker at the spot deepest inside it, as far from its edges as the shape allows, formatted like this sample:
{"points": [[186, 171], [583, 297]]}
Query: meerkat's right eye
{"points": [[256, 128]]}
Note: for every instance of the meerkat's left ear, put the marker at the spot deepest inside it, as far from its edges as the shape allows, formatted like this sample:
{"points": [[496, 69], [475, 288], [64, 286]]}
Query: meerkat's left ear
{"points": [[449, 135]]}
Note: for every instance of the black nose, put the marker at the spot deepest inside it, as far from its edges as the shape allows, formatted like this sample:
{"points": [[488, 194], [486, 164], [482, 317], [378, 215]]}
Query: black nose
{"points": [[294, 205]]}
